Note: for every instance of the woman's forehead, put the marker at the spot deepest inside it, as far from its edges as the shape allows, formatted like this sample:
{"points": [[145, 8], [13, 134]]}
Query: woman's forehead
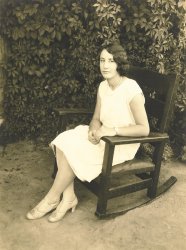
{"points": [[106, 54]]}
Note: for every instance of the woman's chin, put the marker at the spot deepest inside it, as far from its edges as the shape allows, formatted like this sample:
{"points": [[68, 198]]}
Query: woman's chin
{"points": [[106, 76]]}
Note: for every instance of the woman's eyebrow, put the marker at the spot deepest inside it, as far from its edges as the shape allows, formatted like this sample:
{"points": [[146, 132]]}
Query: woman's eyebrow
{"points": [[107, 58]]}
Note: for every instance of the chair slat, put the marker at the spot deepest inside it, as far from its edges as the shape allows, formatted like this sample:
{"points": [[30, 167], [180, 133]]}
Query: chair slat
{"points": [[150, 78], [66, 111], [126, 189], [154, 107], [135, 166], [161, 87]]}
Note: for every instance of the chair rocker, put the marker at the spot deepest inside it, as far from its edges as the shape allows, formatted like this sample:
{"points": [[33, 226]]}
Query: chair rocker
{"points": [[159, 91]]}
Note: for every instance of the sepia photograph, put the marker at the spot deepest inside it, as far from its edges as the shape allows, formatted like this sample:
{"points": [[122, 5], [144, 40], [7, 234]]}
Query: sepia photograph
{"points": [[92, 124]]}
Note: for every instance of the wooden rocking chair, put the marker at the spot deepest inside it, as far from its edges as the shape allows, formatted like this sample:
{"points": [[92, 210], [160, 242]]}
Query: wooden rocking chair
{"points": [[159, 91]]}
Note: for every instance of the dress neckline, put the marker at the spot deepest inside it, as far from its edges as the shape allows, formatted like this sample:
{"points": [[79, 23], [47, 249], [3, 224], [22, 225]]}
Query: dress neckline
{"points": [[118, 86]]}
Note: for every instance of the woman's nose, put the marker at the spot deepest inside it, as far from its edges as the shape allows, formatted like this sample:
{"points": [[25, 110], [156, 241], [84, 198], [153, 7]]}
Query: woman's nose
{"points": [[105, 65]]}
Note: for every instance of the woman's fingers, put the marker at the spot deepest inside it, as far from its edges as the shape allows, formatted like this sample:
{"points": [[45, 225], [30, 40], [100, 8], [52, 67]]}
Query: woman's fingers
{"points": [[92, 138]]}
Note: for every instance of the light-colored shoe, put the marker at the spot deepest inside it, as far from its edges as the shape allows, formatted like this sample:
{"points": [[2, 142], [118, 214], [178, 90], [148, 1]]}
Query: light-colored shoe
{"points": [[62, 209], [41, 209]]}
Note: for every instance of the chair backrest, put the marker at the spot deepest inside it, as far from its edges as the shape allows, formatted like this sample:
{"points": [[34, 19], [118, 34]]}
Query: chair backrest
{"points": [[159, 91]]}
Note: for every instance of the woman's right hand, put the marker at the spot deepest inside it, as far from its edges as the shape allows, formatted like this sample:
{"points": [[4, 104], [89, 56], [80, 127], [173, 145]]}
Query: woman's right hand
{"points": [[91, 137]]}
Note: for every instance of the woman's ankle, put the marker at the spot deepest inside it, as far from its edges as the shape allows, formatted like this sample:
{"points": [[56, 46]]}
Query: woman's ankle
{"points": [[52, 199], [71, 197]]}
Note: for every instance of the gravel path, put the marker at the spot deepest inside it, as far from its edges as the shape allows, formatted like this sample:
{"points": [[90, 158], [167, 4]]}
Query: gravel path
{"points": [[26, 176]]}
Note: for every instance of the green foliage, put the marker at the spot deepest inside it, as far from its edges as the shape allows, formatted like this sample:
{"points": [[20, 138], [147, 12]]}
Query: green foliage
{"points": [[53, 49], [109, 19], [52, 55]]}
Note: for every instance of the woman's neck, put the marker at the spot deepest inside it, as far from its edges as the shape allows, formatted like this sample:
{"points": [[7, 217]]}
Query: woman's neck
{"points": [[115, 81]]}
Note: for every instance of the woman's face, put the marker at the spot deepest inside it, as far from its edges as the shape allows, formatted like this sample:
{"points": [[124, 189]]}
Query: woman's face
{"points": [[108, 66]]}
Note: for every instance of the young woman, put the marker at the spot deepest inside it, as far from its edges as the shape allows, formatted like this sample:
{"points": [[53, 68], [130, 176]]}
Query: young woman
{"points": [[79, 152]]}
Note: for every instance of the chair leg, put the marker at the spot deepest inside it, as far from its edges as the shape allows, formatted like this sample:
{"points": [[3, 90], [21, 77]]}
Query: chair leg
{"points": [[152, 191], [105, 181], [101, 206]]}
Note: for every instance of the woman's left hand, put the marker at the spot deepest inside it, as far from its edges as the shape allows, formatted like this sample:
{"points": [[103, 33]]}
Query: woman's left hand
{"points": [[92, 138]]}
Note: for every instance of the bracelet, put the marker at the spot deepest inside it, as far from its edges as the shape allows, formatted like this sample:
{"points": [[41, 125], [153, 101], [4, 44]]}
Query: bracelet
{"points": [[116, 130]]}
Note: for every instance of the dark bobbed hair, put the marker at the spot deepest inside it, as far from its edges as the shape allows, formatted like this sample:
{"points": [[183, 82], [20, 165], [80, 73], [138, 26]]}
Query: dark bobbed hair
{"points": [[119, 56]]}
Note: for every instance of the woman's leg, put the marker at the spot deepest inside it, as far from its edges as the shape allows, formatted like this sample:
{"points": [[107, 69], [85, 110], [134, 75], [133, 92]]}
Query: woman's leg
{"points": [[69, 200], [64, 180], [68, 193]]}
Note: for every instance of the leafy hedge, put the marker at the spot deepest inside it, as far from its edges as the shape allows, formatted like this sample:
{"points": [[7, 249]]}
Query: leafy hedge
{"points": [[53, 49]]}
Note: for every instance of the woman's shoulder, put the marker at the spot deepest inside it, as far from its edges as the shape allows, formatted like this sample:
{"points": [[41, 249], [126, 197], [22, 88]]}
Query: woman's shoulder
{"points": [[131, 82], [132, 88], [103, 85]]}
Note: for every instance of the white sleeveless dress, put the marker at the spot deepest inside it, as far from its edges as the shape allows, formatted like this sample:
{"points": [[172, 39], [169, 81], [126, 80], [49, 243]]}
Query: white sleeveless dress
{"points": [[86, 158]]}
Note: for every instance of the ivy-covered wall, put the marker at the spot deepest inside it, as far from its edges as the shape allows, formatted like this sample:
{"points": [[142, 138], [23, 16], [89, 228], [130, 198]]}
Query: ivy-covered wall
{"points": [[53, 49], [2, 76]]}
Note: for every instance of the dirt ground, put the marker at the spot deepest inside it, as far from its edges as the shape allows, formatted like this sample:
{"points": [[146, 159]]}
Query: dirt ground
{"points": [[25, 178]]}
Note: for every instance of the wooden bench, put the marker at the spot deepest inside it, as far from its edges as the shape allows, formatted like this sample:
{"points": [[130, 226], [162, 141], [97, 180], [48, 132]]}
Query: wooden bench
{"points": [[159, 91]]}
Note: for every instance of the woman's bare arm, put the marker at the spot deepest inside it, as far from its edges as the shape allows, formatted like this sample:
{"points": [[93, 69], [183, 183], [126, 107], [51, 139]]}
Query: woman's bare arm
{"points": [[141, 128], [95, 122]]}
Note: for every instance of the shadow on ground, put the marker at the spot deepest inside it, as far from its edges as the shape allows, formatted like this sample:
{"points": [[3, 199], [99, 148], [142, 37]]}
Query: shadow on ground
{"points": [[25, 178]]}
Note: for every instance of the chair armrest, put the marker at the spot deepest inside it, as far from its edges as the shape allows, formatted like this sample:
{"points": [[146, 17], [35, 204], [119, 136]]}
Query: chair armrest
{"points": [[115, 140], [67, 111], [152, 137]]}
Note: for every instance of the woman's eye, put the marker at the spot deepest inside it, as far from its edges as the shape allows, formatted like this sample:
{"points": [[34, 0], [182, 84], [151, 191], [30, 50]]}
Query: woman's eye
{"points": [[101, 60]]}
